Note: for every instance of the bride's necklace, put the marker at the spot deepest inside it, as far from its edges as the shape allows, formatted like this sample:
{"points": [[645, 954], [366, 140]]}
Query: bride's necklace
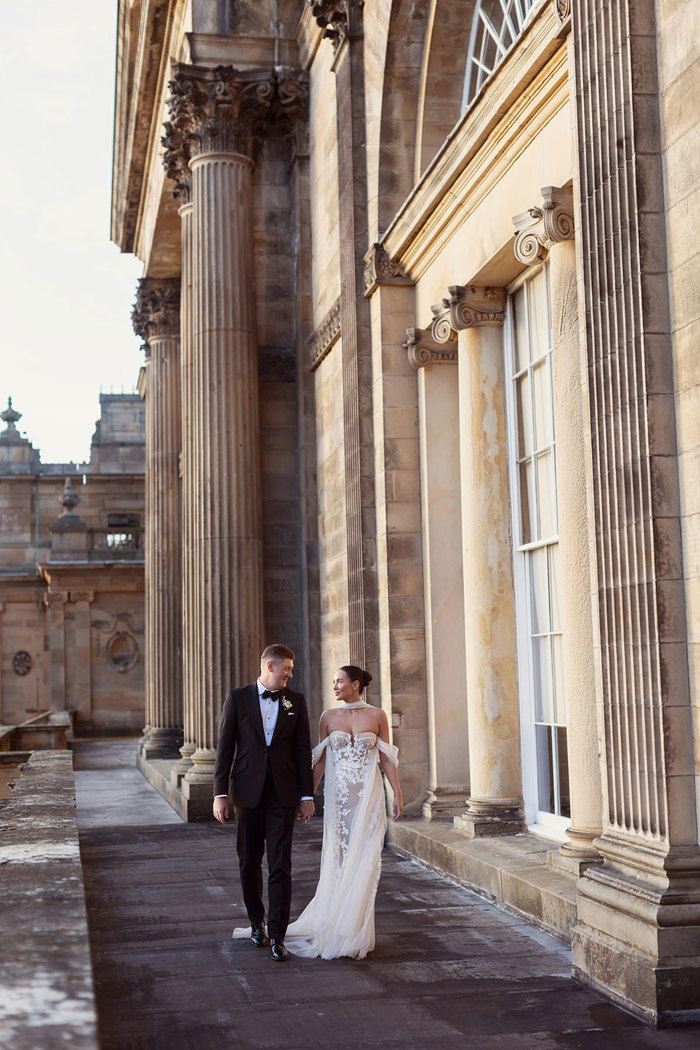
{"points": [[349, 707]]}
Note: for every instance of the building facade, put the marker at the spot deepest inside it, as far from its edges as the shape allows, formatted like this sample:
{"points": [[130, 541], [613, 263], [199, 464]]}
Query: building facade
{"points": [[72, 577], [421, 395]]}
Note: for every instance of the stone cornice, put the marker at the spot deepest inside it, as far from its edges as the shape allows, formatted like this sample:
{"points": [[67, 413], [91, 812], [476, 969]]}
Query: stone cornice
{"points": [[156, 311], [548, 223], [380, 269], [467, 307], [220, 110], [338, 19], [423, 350], [327, 333]]}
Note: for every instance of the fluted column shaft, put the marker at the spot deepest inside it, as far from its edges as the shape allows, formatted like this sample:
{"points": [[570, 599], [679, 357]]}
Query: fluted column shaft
{"points": [[221, 471]]}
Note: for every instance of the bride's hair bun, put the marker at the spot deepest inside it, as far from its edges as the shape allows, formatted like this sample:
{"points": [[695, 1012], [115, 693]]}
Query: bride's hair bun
{"points": [[357, 674]]}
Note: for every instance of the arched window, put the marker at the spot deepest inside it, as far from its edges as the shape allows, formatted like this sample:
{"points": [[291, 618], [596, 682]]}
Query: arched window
{"points": [[496, 25]]}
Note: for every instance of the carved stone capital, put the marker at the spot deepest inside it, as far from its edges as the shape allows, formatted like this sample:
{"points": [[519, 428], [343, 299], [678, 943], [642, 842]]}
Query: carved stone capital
{"points": [[327, 333], [548, 223], [156, 311], [220, 110], [423, 350], [338, 19], [292, 106], [467, 307], [380, 269]]}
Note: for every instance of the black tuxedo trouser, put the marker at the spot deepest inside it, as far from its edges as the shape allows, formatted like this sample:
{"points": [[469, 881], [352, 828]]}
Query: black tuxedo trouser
{"points": [[271, 825]]}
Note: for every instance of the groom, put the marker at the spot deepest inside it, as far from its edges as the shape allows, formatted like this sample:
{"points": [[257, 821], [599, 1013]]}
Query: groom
{"points": [[265, 750]]}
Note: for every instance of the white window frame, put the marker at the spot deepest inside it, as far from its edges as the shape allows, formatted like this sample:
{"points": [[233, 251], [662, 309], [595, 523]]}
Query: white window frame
{"points": [[540, 822]]}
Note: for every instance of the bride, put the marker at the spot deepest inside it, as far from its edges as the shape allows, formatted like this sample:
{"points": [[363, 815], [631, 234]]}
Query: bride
{"points": [[353, 741]]}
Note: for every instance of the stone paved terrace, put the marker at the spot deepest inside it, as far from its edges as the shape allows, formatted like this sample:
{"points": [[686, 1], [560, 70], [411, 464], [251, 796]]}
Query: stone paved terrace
{"points": [[450, 969]]}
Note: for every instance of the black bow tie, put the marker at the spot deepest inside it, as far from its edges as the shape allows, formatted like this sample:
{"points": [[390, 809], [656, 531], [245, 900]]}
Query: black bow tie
{"points": [[272, 696]]}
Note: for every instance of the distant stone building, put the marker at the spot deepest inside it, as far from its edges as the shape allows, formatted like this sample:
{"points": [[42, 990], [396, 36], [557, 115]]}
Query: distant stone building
{"points": [[420, 296], [71, 575]]}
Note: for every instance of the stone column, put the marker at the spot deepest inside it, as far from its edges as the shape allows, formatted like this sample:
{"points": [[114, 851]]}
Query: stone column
{"points": [[55, 602], [218, 113], [82, 676], [438, 422], [342, 23], [156, 320], [546, 231], [638, 926], [495, 800]]}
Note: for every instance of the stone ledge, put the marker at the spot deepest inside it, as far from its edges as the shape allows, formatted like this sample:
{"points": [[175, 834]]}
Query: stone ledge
{"points": [[47, 998], [510, 869], [192, 807]]}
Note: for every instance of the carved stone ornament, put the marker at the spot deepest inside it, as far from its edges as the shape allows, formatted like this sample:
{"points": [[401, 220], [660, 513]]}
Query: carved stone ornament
{"points": [[423, 350], [10, 416], [156, 311], [563, 10], [291, 104], [22, 663], [68, 499], [325, 335], [380, 269], [467, 307], [338, 18], [122, 651], [220, 110], [548, 223]]}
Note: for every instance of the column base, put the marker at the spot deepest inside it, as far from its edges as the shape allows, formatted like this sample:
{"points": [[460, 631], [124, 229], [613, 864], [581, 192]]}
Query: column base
{"points": [[486, 817], [638, 929], [578, 853], [202, 769], [444, 802], [161, 742], [179, 768]]}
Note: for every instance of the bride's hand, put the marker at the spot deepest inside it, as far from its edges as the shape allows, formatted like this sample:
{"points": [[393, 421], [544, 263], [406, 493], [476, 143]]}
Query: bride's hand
{"points": [[398, 808]]}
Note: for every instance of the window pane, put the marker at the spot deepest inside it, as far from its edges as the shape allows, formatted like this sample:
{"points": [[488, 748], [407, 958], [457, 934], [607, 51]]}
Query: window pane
{"points": [[545, 778], [563, 770], [558, 676], [524, 410], [539, 591], [539, 322], [554, 586], [542, 680], [522, 352], [542, 401], [546, 496], [527, 501]]}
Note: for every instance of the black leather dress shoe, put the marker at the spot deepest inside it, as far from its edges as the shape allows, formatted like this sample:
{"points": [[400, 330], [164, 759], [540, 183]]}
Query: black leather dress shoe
{"points": [[278, 951], [258, 937]]}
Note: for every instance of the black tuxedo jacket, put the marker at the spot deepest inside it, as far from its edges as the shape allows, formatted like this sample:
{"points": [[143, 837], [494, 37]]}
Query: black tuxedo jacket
{"points": [[243, 757]]}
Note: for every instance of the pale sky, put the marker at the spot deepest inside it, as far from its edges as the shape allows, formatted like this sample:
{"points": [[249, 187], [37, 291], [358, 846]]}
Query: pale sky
{"points": [[65, 290]]}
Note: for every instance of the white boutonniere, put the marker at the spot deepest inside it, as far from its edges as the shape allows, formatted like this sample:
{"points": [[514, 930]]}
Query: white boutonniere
{"points": [[286, 704]]}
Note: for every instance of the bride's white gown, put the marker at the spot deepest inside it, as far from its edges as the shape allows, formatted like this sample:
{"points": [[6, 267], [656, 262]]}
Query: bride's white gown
{"points": [[339, 920]]}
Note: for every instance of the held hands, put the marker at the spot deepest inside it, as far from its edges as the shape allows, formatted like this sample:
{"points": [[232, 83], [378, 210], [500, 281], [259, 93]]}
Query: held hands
{"points": [[221, 810], [306, 811]]}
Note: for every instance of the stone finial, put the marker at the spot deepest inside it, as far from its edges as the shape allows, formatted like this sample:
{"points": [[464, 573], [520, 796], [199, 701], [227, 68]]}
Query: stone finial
{"points": [[467, 306], [10, 416], [423, 350], [220, 110], [68, 499], [381, 269], [156, 310], [548, 223], [337, 18]]}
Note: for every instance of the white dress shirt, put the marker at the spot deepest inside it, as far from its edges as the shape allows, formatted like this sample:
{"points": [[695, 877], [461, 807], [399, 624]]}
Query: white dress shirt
{"points": [[269, 712]]}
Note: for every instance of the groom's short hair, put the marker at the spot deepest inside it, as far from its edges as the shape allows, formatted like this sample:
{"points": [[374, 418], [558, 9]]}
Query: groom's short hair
{"points": [[277, 652]]}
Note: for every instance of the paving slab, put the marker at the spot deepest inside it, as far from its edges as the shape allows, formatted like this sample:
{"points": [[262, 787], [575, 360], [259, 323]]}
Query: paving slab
{"points": [[449, 968]]}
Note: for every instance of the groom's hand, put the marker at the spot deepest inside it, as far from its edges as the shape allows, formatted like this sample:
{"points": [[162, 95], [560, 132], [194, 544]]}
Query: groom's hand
{"points": [[306, 810], [221, 809]]}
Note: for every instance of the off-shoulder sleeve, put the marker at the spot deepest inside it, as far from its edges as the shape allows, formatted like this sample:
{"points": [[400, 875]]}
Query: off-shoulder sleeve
{"points": [[318, 751], [391, 752]]}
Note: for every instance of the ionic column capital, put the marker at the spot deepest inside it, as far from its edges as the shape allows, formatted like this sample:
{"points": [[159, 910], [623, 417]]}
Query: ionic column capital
{"points": [[467, 307], [156, 311], [220, 110], [548, 223], [423, 350], [380, 268]]}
